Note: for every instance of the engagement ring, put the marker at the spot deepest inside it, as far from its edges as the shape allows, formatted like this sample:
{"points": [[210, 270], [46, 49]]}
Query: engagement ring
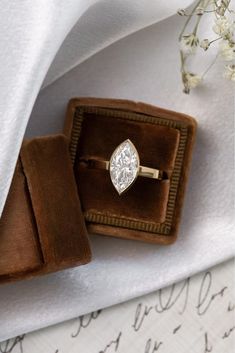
{"points": [[124, 167]]}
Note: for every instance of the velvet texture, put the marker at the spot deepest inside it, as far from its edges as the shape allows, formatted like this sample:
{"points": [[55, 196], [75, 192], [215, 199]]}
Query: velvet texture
{"points": [[156, 146], [150, 209], [42, 228]]}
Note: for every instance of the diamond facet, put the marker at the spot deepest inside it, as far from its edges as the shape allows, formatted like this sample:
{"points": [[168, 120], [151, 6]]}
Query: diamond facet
{"points": [[124, 166]]}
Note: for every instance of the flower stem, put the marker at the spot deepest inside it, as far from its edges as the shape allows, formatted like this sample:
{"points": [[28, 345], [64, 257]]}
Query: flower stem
{"points": [[210, 66], [215, 40], [189, 19], [204, 5]]}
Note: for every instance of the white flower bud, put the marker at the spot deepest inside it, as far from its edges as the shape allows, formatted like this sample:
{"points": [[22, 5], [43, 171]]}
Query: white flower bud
{"points": [[229, 72], [181, 12], [205, 43], [189, 43], [224, 27], [227, 50], [199, 11], [190, 80]]}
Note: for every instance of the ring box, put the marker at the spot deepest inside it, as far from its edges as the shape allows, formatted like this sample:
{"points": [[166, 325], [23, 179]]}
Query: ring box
{"points": [[150, 210], [42, 228], [52, 203]]}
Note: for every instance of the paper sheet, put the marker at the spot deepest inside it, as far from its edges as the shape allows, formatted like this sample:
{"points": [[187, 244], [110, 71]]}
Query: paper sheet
{"points": [[195, 315]]}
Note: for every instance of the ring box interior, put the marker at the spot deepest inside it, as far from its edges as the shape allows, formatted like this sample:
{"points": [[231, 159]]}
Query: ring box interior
{"points": [[150, 210], [42, 228]]}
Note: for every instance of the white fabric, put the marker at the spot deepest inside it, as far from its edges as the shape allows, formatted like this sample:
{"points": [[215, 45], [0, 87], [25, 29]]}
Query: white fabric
{"points": [[143, 66], [31, 34]]}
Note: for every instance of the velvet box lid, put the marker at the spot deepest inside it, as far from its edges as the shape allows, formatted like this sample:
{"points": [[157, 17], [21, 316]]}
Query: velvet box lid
{"points": [[151, 210], [42, 229]]}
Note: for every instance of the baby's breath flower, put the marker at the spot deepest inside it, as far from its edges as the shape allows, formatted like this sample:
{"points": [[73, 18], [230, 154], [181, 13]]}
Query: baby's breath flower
{"points": [[227, 50], [189, 43], [222, 7], [199, 11], [181, 12], [224, 27], [220, 10], [205, 43], [225, 3], [229, 72], [190, 80]]}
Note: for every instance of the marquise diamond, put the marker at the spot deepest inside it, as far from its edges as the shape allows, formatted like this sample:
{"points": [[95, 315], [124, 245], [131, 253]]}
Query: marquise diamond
{"points": [[124, 166]]}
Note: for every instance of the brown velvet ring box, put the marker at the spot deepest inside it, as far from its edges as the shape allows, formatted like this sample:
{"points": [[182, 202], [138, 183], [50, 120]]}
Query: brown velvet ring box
{"points": [[42, 228], [150, 210]]}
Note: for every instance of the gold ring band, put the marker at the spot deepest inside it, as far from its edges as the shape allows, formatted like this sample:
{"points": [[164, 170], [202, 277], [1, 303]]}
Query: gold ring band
{"points": [[143, 171]]}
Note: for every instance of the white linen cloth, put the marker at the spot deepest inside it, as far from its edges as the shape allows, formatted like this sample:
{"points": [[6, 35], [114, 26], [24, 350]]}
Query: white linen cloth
{"points": [[143, 66]]}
